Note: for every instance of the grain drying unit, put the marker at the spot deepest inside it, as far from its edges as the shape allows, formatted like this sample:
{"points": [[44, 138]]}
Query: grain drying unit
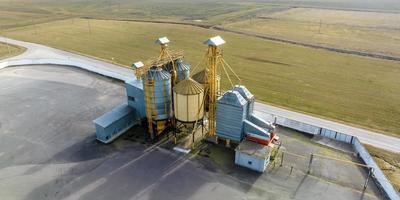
{"points": [[167, 100]]}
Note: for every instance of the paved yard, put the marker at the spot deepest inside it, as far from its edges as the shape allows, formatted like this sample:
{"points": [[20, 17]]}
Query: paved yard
{"points": [[48, 150]]}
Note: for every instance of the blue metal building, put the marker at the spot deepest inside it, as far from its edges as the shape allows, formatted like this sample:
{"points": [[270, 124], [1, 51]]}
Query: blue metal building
{"points": [[114, 123], [231, 112], [135, 94]]}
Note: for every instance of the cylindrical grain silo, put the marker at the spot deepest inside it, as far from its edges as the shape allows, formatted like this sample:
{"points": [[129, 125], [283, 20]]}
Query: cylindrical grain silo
{"points": [[182, 70], [188, 100], [157, 91]]}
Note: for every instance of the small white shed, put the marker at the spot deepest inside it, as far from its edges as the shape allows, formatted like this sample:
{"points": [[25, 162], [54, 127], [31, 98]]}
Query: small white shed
{"points": [[252, 155]]}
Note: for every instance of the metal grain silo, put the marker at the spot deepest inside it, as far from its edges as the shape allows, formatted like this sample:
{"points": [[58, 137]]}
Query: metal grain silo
{"points": [[182, 70], [157, 90], [188, 98]]}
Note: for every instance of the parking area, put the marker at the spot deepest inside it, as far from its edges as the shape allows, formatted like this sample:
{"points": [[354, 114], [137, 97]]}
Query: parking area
{"points": [[48, 151]]}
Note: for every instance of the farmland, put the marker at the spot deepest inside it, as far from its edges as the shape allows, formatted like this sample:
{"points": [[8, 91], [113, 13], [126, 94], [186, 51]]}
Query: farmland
{"points": [[372, 32], [347, 88]]}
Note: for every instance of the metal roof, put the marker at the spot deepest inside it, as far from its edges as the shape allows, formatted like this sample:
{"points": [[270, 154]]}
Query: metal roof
{"points": [[232, 98], [215, 41], [162, 40], [157, 74], [114, 115], [182, 65], [244, 92], [200, 76], [253, 149], [137, 65], [188, 87], [135, 83]]}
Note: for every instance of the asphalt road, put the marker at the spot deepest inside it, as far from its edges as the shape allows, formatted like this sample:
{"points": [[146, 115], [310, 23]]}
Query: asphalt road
{"points": [[36, 51]]}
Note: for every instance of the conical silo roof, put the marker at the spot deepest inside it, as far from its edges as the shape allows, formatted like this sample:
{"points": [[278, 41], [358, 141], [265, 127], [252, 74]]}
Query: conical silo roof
{"points": [[158, 74], [200, 76], [182, 65], [188, 87]]}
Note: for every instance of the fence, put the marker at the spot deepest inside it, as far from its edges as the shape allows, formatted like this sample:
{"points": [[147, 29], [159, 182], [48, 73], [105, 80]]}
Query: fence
{"points": [[377, 175]]}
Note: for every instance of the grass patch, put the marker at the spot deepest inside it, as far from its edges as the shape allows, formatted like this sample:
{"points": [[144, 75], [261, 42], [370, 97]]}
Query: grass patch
{"points": [[347, 88], [389, 162], [7, 50], [371, 32]]}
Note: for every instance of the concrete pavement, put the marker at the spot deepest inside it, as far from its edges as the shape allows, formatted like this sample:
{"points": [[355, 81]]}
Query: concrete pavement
{"points": [[42, 54], [365, 136]]}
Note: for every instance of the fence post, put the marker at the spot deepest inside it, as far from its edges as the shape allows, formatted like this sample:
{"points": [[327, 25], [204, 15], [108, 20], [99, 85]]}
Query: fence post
{"points": [[310, 163], [283, 153], [366, 180]]}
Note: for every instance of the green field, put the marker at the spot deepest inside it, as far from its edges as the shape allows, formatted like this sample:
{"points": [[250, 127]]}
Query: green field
{"points": [[347, 88], [372, 32], [9, 50]]}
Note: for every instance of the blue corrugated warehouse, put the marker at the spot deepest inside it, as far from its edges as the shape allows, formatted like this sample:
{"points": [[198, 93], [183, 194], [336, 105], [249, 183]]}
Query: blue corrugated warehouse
{"points": [[114, 123]]}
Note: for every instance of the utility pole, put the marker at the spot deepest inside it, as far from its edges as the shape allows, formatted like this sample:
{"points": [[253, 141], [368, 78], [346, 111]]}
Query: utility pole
{"points": [[367, 179], [35, 27], [310, 163], [320, 24], [89, 27], [8, 46]]}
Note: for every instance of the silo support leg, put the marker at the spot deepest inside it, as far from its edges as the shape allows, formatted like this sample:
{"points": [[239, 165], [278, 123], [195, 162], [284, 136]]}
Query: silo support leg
{"points": [[227, 143]]}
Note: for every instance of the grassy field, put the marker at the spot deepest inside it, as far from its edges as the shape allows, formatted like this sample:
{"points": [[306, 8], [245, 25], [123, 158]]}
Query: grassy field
{"points": [[9, 50], [22, 12], [389, 162], [372, 32], [347, 88]]}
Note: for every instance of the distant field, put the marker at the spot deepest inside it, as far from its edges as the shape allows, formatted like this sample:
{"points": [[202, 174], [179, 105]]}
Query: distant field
{"points": [[347, 88], [372, 32], [9, 50], [17, 12], [209, 12]]}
